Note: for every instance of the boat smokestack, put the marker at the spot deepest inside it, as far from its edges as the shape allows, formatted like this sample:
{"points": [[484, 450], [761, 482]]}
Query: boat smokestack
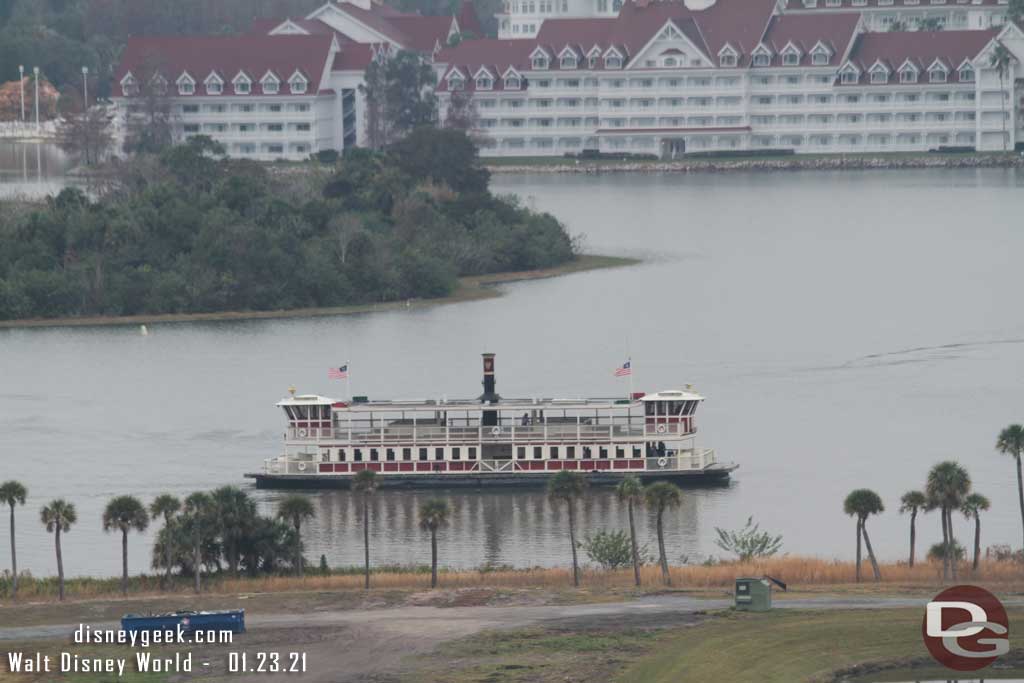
{"points": [[489, 417]]}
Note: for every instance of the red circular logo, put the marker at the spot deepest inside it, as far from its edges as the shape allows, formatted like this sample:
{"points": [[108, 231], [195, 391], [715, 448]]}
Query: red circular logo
{"points": [[965, 628]]}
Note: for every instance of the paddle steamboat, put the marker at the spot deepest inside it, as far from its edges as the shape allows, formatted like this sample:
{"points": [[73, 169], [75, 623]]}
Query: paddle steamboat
{"points": [[490, 440]]}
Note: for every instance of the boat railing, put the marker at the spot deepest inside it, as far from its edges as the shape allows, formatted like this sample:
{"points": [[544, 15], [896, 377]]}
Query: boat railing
{"points": [[363, 434]]}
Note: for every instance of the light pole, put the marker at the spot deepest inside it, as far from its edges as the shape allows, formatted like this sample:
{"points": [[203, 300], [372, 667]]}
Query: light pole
{"points": [[35, 73], [21, 82], [85, 89]]}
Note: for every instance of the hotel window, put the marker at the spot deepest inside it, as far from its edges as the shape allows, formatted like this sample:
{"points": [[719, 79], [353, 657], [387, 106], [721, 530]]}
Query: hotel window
{"points": [[819, 58], [792, 80], [186, 88], [484, 83], [298, 86], [791, 58], [512, 83], [879, 76], [302, 127], [358, 457], [762, 59], [190, 109], [849, 76], [406, 454], [521, 453], [242, 87], [670, 62], [568, 62], [727, 59], [270, 87], [456, 83], [423, 454], [540, 62], [275, 149], [612, 62], [908, 76], [214, 88], [275, 127], [191, 127], [966, 75], [592, 62], [276, 108], [937, 75]]}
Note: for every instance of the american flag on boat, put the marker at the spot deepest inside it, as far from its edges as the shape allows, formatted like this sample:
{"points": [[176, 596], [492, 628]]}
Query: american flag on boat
{"points": [[338, 373], [624, 370]]}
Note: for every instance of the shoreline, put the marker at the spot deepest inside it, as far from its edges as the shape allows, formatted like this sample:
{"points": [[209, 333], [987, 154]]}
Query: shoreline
{"points": [[469, 288], [810, 162]]}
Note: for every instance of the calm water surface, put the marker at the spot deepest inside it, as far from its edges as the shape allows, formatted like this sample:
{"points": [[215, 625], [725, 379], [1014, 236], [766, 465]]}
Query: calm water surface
{"points": [[849, 329], [31, 170]]}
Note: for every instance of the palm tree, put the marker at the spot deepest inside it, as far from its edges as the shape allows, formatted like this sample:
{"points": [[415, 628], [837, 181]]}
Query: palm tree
{"points": [[863, 503], [662, 495], [198, 513], [166, 506], [296, 508], [13, 493], [1001, 60], [568, 487], [972, 507], [631, 491], [57, 517], [123, 514], [1011, 442], [434, 515], [912, 502], [234, 518], [948, 485], [365, 484]]}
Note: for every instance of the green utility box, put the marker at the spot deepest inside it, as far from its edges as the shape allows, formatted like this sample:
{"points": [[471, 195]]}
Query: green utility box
{"points": [[753, 595]]}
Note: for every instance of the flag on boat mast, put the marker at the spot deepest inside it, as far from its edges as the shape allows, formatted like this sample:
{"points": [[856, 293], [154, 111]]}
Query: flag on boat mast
{"points": [[342, 372], [626, 370]]}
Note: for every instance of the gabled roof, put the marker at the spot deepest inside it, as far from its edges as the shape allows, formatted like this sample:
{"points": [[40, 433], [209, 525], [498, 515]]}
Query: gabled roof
{"points": [[226, 56], [920, 48], [410, 31], [804, 31], [469, 20], [822, 7]]}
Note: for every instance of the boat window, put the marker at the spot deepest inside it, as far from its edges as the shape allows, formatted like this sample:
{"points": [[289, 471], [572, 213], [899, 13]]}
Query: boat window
{"points": [[406, 454], [391, 454], [620, 452], [325, 412], [538, 452], [359, 455], [637, 452], [554, 452], [472, 453], [291, 415], [650, 406], [438, 454], [374, 455], [300, 412], [603, 451], [521, 453], [586, 452], [341, 455], [570, 452], [423, 454], [456, 453]]}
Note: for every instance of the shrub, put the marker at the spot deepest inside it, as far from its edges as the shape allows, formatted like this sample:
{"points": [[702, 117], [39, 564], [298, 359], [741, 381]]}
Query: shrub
{"points": [[613, 550], [748, 542], [936, 551]]}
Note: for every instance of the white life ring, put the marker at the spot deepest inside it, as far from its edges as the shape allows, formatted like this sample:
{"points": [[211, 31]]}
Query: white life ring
{"points": [[302, 467], [495, 430], [303, 433], [662, 462], [661, 429]]}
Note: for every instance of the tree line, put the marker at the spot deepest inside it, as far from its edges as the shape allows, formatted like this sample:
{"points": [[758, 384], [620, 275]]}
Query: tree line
{"points": [[947, 490], [191, 230]]}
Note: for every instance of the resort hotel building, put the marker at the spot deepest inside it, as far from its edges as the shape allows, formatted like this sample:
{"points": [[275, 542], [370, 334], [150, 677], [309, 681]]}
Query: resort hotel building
{"points": [[650, 77]]}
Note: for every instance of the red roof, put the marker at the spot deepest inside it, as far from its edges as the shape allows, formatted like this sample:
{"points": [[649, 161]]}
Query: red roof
{"points": [[227, 56], [469, 20], [353, 57], [407, 30], [792, 5], [922, 48], [805, 31]]}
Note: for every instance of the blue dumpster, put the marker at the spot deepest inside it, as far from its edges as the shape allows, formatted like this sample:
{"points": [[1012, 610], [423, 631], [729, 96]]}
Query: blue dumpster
{"points": [[224, 620]]}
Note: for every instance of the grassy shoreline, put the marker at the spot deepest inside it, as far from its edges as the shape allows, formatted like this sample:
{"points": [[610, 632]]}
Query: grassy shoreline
{"points": [[470, 288]]}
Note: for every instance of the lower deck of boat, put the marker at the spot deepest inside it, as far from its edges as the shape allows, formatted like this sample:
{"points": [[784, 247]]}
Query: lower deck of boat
{"points": [[715, 475]]}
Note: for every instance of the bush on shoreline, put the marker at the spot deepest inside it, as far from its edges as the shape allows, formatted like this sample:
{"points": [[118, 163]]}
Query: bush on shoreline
{"points": [[191, 231]]}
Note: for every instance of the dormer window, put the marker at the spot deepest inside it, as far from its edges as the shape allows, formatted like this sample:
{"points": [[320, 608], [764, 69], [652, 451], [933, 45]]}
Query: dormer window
{"points": [[540, 62], [214, 84], [513, 83], [937, 75], [456, 82], [592, 61], [129, 86], [568, 60], [908, 76], [298, 84], [728, 57], [762, 57], [966, 74], [186, 86], [790, 57], [270, 84], [484, 83], [159, 84], [849, 76], [242, 84], [879, 75], [612, 61]]}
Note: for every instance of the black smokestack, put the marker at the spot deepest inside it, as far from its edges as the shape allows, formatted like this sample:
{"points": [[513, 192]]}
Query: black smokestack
{"points": [[490, 417]]}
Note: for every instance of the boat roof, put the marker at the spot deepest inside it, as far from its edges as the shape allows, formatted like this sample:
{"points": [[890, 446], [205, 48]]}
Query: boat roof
{"points": [[505, 403]]}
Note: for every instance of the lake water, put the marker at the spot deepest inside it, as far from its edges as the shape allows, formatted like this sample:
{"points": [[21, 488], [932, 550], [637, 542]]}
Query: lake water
{"points": [[849, 329], [31, 170]]}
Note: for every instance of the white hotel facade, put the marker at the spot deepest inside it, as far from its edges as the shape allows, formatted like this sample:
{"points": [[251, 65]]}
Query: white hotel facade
{"points": [[662, 78]]}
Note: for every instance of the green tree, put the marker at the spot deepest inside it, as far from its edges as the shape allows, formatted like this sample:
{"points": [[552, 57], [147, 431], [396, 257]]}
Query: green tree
{"points": [[1011, 442], [446, 156], [235, 514], [612, 549], [662, 495], [13, 493], [86, 134], [365, 485], [399, 96], [1001, 59], [974, 504], [631, 491], [863, 503], [434, 515], [569, 487], [948, 485], [295, 509], [166, 506], [199, 516], [58, 516], [123, 514], [1015, 10], [912, 502], [748, 542]]}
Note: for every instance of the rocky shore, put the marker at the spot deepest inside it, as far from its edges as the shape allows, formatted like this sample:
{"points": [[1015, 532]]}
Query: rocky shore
{"points": [[793, 163]]}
